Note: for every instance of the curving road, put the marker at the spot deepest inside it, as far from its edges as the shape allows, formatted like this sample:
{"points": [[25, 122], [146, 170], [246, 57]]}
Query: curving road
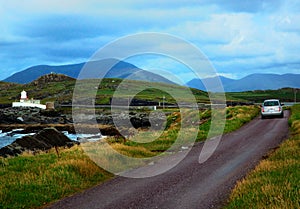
{"points": [[189, 184]]}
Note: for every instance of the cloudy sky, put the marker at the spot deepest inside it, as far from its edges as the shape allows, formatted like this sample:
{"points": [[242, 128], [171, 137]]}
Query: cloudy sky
{"points": [[238, 37]]}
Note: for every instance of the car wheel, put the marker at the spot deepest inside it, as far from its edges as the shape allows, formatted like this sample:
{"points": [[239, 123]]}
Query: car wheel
{"points": [[263, 117]]}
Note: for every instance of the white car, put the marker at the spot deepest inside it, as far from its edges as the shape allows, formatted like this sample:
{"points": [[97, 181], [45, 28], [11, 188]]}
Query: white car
{"points": [[271, 107]]}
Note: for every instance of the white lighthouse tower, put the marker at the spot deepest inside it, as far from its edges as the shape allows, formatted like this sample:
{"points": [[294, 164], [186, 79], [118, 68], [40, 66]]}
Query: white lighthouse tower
{"points": [[23, 96], [25, 102]]}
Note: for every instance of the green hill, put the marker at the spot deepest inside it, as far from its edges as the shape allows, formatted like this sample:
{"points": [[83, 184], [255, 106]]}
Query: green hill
{"points": [[59, 88], [258, 96]]}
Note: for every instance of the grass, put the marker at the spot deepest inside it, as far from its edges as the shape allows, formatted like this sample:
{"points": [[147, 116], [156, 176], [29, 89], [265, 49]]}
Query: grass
{"points": [[275, 182], [258, 96], [61, 92], [238, 116], [29, 181], [235, 118]]}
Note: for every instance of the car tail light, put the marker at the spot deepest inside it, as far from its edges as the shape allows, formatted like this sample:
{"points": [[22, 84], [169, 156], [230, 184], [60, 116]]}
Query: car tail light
{"points": [[262, 109], [279, 109]]}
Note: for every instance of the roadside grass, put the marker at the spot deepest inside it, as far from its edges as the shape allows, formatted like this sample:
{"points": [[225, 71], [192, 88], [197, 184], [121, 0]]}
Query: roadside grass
{"points": [[238, 116], [275, 182], [31, 181]]}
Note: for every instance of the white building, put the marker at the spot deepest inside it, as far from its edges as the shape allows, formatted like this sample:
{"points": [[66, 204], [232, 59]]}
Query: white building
{"points": [[25, 102]]}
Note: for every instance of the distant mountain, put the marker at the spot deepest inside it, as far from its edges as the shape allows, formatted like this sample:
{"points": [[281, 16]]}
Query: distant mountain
{"points": [[249, 83], [210, 83], [120, 69]]}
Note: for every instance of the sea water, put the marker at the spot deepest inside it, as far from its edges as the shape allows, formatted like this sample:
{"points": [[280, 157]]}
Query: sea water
{"points": [[7, 138]]}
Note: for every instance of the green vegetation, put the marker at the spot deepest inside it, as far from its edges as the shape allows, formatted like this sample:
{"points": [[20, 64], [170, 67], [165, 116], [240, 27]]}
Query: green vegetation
{"points": [[258, 96], [29, 181], [142, 90], [238, 116], [62, 91], [275, 182], [52, 91]]}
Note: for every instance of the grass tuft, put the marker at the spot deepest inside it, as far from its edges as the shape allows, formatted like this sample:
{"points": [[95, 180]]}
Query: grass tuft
{"points": [[30, 181]]}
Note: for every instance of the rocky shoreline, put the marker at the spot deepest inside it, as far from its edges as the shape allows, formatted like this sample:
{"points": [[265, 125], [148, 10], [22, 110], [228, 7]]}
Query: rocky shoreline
{"points": [[41, 141], [30, 115], [35, 120]]}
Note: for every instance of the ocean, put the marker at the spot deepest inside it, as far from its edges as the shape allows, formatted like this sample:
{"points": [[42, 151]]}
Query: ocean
{"points": [[7, 138]]}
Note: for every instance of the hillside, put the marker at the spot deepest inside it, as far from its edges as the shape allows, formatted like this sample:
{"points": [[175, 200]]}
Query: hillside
{"points": [[59, 88], [258, 96], [250, 82], [119, 70]]}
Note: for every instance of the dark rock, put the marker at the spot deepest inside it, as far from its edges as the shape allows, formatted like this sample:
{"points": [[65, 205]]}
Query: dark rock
{"points": [[132, 119], [31, 116], [42, 141], [50, 113]]}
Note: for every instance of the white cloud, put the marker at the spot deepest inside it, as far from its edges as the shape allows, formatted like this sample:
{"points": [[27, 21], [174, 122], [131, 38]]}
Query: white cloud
{"points": [[237, 36]]}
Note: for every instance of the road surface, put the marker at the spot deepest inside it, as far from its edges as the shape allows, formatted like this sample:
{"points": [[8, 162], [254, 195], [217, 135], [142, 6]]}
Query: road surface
{"points": [[190, 184]]}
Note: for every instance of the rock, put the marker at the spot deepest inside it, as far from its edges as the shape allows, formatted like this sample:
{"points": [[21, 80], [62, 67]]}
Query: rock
{"points": [[42, 141], [50, 78], [133, 119], [26, 115]]}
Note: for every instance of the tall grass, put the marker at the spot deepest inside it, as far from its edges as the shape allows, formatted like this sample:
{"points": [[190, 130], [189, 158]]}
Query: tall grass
{"points": [[275, 182], [238, 116], [29, 181]]}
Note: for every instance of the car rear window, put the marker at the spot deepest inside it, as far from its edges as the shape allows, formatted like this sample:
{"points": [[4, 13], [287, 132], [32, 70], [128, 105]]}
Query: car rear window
{"points": [[271, 103]]}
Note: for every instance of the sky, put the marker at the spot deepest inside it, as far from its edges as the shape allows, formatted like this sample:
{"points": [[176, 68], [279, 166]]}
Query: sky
{"points": [[237, 37]]}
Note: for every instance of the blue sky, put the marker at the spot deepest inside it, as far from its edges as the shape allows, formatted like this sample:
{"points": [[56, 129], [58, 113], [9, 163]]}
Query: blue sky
{"points": [[238, 37]]}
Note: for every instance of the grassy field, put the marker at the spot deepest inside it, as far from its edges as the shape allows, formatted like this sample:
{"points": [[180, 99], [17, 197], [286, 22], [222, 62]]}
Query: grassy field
{"points": [[29, 181], [62, 92], [258, 96], [275, 182]]}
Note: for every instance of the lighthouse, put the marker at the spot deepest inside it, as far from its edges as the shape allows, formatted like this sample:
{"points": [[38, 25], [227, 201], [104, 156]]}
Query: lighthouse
{"points": [[23, 96], [25, 102]]}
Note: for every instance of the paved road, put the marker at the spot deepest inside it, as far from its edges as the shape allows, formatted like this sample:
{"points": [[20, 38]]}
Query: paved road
{"points": [[190, 184]]}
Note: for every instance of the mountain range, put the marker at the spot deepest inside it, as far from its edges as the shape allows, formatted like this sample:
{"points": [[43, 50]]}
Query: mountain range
{"points": [[127, 70], [119, 69], [248, 83]]}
